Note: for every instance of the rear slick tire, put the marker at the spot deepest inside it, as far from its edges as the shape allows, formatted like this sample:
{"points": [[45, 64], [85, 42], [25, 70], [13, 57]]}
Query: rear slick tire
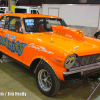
{"points": [[46, 80]]}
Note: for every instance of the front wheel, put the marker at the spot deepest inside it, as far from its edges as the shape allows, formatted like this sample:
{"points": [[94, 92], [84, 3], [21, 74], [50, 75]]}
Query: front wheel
{"points": [[46, 80]]}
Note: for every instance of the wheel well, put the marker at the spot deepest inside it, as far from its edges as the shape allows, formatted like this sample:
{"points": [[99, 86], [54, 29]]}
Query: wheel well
{"points": [[35, 63], [96, 34]]}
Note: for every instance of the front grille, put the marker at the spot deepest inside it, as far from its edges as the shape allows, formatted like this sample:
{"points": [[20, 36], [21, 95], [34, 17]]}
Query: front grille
{"points": [[86, 60]]}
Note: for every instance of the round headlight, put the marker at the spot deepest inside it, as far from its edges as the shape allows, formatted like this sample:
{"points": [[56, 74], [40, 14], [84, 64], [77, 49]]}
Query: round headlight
{"points": [[70, 61]]}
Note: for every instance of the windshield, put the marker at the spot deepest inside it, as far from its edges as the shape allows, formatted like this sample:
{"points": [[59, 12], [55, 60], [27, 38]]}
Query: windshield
{"points": [[42, 24]]}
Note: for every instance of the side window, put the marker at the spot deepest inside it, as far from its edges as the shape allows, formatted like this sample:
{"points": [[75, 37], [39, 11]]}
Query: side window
{"points": [[29, 25], [4, 22], [34, 25], [15, 24]]}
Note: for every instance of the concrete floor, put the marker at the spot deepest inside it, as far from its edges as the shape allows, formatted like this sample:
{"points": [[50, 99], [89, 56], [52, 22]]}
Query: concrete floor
{"points": [[15, 78]]}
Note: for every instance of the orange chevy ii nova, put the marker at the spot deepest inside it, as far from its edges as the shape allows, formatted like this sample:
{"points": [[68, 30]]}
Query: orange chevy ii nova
{"points": [[49, 48]]}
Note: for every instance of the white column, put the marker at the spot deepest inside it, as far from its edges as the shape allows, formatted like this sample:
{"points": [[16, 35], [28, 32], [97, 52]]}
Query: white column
{"points": [[10, 3]]}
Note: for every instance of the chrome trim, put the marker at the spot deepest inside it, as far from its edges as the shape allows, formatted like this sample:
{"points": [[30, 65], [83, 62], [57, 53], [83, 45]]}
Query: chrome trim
{"points": [[82, 68]]}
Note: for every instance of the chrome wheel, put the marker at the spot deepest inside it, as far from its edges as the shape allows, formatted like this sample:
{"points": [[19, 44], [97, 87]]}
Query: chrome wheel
{"points": [[44, 80]]}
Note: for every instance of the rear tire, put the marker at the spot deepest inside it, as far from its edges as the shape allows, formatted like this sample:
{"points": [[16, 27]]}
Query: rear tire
{"points": [[0, 54], [46, 80]]}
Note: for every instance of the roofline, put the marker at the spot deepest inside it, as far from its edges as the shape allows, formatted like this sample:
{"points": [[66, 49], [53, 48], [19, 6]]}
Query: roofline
{"points": [[29, 15]]}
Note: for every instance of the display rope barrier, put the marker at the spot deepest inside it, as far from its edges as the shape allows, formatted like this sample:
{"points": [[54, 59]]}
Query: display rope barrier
{"points": [[93, 91]]}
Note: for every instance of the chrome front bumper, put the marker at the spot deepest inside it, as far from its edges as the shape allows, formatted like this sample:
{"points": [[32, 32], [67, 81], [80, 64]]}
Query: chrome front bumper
{"points": [[82, 69]]}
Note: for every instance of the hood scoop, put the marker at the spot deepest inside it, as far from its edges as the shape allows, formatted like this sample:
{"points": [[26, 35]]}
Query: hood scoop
{"points": [[68, 32]]}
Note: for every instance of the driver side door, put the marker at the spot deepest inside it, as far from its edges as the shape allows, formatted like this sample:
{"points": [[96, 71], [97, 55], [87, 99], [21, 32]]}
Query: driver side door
{"points": [[11, 38]]}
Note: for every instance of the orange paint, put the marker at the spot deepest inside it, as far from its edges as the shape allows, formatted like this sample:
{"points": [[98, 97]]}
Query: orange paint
{"points": [[51, 47]]}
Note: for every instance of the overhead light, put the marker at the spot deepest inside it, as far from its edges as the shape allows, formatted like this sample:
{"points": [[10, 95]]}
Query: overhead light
{"points": [[83, 1]]}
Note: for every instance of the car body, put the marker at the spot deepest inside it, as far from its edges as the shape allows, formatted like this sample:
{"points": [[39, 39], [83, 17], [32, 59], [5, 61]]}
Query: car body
{"points": [[48, 47]]}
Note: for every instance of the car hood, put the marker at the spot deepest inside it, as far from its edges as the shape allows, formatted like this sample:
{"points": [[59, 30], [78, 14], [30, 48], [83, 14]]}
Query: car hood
{"points": [[79, 45]]}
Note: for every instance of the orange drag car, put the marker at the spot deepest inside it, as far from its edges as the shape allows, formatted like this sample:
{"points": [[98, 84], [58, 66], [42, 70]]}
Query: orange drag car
{"points": [[49, 48]]}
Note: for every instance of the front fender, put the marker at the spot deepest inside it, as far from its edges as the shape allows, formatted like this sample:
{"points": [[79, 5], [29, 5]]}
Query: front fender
{"points": [[57, 68]]}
